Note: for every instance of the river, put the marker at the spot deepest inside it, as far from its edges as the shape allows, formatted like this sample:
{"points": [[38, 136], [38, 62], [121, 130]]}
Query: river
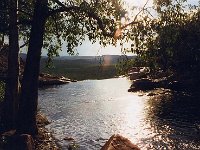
{"points": [[91, 111]]}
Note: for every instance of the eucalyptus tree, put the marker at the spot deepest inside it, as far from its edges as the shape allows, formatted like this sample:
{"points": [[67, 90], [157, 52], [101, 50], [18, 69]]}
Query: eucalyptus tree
{"points": [[52, 23]]}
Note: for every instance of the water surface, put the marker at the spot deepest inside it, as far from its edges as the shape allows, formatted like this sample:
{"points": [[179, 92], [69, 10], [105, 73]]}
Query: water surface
{"points": [[91, 111]]}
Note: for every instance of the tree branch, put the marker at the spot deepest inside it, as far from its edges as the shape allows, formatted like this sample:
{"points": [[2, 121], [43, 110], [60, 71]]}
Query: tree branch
{"points": [[63, 9], [100, 23], [90, 14], [59, 3], [25, 44], [134, 20]]}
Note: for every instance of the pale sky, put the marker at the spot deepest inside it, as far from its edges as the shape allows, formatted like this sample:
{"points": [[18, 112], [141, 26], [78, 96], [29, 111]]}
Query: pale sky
{"points": [[89, 49]]}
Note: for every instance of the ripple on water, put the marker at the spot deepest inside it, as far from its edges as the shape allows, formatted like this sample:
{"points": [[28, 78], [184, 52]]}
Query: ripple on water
{"points": [[91, 111]]}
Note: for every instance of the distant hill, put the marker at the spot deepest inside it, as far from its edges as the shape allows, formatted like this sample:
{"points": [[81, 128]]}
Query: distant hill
{"points": [[82, 67], [112, 59], [105, 58]]}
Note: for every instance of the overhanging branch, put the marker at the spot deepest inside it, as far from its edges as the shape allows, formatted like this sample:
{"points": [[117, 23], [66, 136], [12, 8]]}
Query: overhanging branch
{"points": [[134, 20], [90, 14]]}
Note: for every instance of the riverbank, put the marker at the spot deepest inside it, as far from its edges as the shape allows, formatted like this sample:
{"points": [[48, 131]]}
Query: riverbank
{"points": [[143, 80], [43, 141]]}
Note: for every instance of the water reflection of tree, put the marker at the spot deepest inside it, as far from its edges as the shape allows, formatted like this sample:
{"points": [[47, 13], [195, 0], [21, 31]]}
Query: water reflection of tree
{"points": [[175, 120]]}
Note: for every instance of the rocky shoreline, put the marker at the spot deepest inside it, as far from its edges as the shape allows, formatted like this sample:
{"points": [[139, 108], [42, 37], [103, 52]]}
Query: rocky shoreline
{"points": [[143, 81], [47, 80], [43, 141]]}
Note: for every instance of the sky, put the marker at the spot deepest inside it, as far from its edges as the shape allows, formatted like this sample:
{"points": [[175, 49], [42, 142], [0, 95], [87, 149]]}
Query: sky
{"points": [[89, 49]]}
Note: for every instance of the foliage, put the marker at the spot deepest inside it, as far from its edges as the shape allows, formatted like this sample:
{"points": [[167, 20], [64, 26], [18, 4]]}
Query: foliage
{"points": [[124, 65], [169, 41], [89, 19], [69, 22]]}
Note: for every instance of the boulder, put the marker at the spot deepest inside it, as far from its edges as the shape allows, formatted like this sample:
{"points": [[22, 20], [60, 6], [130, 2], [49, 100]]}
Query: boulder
{"points": [[118, 142]]}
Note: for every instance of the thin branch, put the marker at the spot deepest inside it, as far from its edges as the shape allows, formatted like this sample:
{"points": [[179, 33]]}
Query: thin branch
{"points": [[134, 20], [59, 3], [25, 44]]}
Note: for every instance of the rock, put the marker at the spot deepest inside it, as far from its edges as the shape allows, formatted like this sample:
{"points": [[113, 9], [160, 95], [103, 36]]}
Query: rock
{"points": [[140, 94], [176, 85], [45, 140], [143, 84], [138, 72], [20, 142], [68, 139], [47, 79], [42, 120], [151, 94], [73, 80], [117, 142]]}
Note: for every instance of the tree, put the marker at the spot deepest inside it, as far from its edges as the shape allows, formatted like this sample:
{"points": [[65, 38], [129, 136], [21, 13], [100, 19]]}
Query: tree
{"points": [[12, 83], [168, 41], [79, 18]]}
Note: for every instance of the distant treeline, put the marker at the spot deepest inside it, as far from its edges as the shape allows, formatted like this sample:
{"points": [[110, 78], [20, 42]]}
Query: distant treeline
{"points": [[82, 68]]}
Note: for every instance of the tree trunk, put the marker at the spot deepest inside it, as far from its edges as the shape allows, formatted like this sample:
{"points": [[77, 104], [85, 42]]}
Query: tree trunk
{"points": [[26, 122], [12, 82]]}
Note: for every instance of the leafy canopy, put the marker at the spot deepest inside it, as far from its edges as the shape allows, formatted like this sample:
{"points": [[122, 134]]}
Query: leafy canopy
{"points": [[71, 22], [168, 40]]}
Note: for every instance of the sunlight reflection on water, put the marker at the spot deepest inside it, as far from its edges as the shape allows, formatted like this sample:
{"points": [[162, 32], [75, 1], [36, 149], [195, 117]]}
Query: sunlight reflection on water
{"points": [[91, 111]]}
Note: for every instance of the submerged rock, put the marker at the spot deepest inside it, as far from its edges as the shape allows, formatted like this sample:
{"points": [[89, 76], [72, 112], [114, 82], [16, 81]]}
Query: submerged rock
{"points": [[118, 142], [68, 139]]}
